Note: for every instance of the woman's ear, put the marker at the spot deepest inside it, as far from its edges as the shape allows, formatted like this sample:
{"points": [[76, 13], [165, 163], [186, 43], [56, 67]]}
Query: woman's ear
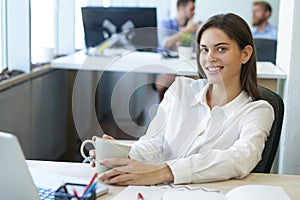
{"points": [[246, 53]]}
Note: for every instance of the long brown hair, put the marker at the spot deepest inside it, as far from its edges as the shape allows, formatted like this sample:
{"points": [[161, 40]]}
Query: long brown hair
{"points": [[238, 30]]}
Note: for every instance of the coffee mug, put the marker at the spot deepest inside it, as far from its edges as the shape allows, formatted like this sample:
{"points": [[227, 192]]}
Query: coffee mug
{"points": [[185, 53], [105, 149]]}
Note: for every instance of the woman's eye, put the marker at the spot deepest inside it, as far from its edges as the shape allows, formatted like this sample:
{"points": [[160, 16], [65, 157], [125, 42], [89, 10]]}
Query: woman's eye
{"points": [[221, 49], [203, 50]]}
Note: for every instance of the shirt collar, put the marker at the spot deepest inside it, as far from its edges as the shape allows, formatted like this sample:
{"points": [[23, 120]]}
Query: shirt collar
{"points": [[199, 91], [228, 109], [236, 103], [266, 30]]}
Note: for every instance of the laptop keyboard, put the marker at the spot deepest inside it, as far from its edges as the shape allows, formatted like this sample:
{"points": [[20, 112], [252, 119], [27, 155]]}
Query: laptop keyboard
{"points": [[45, 193]]}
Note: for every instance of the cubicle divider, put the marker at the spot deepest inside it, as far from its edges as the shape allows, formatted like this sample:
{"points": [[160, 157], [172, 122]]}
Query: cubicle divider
{"points": [[35, 110]]}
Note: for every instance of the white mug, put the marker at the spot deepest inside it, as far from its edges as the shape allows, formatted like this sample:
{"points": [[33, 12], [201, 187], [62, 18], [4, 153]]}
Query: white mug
{"points": [[105, 149], [185, 53]]}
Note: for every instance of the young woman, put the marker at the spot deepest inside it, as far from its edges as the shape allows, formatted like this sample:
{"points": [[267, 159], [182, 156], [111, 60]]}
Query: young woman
{"points": [[208, 129]]}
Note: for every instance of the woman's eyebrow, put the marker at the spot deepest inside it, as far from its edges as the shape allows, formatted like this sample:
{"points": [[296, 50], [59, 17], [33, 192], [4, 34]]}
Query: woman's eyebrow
{"points": [[221, 43], [218, 44]]}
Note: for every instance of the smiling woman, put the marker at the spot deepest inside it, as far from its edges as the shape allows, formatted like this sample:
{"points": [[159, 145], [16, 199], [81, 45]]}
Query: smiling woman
{"points": [[208, 129]]}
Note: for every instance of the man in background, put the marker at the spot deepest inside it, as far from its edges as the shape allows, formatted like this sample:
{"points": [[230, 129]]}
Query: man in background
{"points": [[173, 29], [261, 11]]}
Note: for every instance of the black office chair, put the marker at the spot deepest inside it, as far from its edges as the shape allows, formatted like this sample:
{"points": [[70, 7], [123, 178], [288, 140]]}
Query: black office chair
{"points": [[271, 145], [265, 50]]}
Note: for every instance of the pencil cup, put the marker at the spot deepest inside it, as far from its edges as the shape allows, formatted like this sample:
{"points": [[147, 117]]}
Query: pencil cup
{"points": [[66, 192]]}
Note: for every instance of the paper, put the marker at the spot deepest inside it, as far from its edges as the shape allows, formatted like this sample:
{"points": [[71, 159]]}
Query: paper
{"points": [[257, 192], [149, 193], [247, 192], [196, 194], [47, 179]]}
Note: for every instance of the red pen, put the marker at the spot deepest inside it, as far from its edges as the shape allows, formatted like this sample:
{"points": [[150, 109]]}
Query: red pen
{"points": [[76, 194], [90, 183], [140, 197]]}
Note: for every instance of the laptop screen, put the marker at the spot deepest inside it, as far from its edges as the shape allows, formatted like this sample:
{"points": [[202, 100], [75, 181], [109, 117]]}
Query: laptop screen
{"points": [[16, 181]]}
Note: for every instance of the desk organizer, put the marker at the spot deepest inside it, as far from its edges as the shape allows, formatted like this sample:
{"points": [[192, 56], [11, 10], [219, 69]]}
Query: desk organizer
{"points": [[63, 194]]}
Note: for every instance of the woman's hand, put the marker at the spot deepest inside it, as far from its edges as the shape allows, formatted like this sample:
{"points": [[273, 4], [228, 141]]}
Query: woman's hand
{"points": [[131, 172], [92, 152]]}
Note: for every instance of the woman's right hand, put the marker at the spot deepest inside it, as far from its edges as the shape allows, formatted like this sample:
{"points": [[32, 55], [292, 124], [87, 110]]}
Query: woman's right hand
{"points": [[92, 152], [108, 137]]}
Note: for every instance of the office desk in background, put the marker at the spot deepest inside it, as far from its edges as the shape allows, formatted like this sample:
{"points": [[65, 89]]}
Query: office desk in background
{"points": [[153, 63], [290, 183], [127, 75]]}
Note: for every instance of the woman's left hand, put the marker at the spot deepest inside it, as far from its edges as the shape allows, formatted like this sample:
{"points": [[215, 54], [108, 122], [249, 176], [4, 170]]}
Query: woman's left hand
{"points": [[131, 172]]}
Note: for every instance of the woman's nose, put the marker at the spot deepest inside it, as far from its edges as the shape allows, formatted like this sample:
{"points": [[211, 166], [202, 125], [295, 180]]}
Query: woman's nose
{"points": [[212, 57]]}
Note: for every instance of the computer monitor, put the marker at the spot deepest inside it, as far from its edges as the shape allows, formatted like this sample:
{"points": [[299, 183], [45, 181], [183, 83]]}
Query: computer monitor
{"points": [[136, 25]]}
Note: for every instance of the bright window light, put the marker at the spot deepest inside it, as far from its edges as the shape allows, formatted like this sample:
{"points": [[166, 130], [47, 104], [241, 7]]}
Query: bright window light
{"points": [[43, 30], [106, 3]]}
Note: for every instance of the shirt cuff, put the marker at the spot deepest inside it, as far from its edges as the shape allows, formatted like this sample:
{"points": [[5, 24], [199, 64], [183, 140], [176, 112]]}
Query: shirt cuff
{"points": [[181, 170]]}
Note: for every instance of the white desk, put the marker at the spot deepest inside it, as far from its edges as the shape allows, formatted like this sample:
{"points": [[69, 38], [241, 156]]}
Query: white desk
{"points": [[290, 183], [148, 63]]}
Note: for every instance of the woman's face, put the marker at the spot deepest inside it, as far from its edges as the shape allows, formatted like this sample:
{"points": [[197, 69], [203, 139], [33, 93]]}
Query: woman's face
{"points": [[221, 58]]}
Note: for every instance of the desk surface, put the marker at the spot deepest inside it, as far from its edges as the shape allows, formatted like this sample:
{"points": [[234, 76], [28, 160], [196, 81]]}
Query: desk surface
{"points": [[290, 183], [145, 62]]}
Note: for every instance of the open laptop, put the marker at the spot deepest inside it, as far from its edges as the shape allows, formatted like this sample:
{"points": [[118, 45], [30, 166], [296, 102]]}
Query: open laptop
{"points": [[16, 181]]}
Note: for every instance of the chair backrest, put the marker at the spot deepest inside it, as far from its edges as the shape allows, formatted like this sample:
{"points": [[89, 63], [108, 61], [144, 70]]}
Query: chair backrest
{"points": [[265, 49], [269, 152]]}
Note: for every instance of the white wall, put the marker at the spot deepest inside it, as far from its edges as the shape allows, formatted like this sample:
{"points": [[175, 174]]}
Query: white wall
{"points": [[288, 58], [207, 8]]}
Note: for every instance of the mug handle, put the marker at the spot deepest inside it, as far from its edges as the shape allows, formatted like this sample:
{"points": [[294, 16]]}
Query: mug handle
{"points": [[82, 148]]}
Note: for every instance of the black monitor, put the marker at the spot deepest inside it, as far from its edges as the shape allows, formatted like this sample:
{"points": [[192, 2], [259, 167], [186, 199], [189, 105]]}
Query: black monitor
{"points": [[139, 24]]}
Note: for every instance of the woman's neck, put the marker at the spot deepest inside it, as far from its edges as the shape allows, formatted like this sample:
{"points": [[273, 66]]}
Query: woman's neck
{"points": [[219, 95]]}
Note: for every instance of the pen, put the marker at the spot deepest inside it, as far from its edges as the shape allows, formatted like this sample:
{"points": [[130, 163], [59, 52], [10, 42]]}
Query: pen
{"points": [[91, 188], [76, 194], [140, 197], [90, 183]]}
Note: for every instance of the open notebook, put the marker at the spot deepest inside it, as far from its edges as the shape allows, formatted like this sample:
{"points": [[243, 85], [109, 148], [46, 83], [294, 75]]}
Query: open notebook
{"points": [[246, 192], [15, 178]]}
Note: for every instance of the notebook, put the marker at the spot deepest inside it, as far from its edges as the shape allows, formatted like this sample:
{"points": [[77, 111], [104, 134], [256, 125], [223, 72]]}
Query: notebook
{"points": [[246, 192], [16, 180]]}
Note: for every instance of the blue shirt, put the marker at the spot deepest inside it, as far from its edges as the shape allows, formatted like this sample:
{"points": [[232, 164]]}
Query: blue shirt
{"points": [[270, 33], [166, 29], [170, 24]]}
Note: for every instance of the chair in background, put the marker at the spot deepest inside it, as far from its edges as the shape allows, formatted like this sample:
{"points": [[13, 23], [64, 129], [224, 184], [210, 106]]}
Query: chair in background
{"points": [[271, 145], [265, 50]]}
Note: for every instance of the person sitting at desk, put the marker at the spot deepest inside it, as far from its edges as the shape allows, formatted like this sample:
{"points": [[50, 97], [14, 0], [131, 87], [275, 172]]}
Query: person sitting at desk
{"points": [[208, 129], [261, 11], [171, 35]]}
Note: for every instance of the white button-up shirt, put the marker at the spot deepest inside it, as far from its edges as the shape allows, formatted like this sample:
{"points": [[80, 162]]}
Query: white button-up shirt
{"points": [[201, 144]]}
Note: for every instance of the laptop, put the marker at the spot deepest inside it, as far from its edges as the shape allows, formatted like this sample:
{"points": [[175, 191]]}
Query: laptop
{"points": [[16, 180]]}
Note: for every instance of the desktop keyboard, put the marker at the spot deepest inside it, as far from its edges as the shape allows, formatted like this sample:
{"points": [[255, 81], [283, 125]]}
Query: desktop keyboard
{"points": [[45, 193]]}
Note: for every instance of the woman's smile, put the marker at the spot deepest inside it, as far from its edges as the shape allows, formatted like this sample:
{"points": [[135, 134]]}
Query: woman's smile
{"points": [[214, 69]]}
